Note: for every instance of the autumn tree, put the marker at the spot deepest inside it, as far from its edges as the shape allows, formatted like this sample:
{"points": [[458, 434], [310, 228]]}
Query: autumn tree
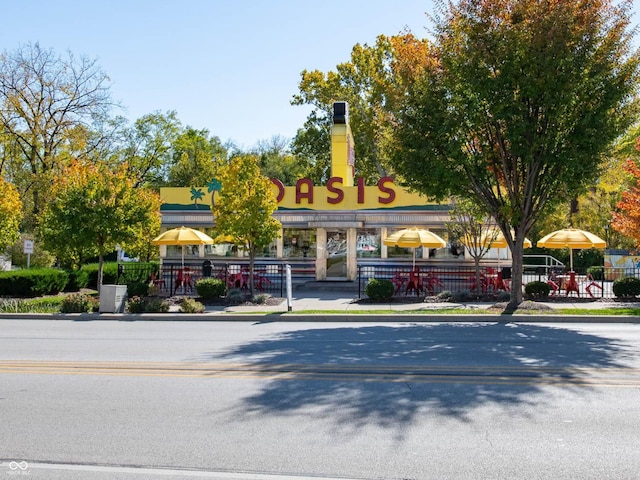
{"points": [[626, 219], [45, 99], [10, 214], [93, 210], [245, 206], [515, 106]]}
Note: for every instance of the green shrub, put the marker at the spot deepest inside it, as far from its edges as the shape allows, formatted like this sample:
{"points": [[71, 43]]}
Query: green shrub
{"points": [[537, 289], [235, 296], [189, 305], [597, 272], [109, 274], [147, 305], [76, 303], [260, 298], [137, 289], [444, 296], [461, 296], [78, 279], [33, 282], [627, 287], [379, 290], [210, 288]]}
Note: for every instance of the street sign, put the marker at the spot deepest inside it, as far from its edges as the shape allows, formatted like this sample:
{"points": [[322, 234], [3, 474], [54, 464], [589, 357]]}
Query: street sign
{"points": [[28, 246]]}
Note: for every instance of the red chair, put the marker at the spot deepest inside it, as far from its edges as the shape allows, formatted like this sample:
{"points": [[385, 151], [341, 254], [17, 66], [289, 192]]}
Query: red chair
{"points": [[398, 281], [414, 283], [572, 285], [432, 282]]}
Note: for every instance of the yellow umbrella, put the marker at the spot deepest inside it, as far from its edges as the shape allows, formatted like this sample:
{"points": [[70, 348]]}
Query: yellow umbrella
{"points": [[182, 236], [414, 237], [494, 237], [571, 238]]}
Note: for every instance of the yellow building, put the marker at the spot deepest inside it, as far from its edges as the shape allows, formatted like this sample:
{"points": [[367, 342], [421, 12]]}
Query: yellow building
{"points": [[327, 230]]}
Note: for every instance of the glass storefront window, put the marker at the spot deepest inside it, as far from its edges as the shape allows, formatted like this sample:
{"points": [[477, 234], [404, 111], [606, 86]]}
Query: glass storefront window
{"points": [[299, 243], [368, 243]]}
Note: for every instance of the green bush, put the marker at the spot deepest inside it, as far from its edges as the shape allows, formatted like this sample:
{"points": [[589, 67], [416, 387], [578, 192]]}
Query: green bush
{"points": [[503, 296], [210, 288], [537, 289], [444, 296], [235, 296], [627, 287], [32, 282], [78, 279], [76, 303], [189, 305], [147, 305], [461, 296], [379, 290], [260, 298], [109, 274], [137, 289], [597, 272]]}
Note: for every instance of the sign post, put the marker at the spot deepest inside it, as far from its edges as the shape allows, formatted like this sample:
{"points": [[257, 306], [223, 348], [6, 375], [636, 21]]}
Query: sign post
{"points": [[288, 280], [28, 249]]}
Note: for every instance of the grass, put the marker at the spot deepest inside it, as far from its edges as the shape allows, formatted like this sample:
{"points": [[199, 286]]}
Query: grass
{"points": [[31, 305], [479, 311]]}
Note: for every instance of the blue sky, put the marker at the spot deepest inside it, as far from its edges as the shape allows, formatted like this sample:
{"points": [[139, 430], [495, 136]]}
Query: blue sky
{"points": [[230, 66]]}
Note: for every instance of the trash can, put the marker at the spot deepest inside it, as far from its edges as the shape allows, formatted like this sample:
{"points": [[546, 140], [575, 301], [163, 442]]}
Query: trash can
{"points": [[206, 268], [112, 298]]}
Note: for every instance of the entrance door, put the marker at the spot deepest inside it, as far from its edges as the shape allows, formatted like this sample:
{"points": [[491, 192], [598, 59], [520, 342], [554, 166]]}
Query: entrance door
{"points": [[336, 254]]}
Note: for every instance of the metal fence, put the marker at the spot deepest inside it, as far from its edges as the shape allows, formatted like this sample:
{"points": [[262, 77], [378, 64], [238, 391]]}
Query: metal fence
{"points": [[430, 281], [181, 280]]}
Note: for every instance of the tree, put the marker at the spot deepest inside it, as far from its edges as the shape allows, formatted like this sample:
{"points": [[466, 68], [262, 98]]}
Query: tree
{"points": [[94, 209], [147, 148], [44, 99], [627, 219], [471, 225], [277, 161], [196, 158], [10, 214], [245, 206], [370, 84], [515, 106]]}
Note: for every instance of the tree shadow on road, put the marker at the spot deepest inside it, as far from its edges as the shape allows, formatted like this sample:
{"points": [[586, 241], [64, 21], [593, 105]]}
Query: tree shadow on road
{"points": [[555, 354]]}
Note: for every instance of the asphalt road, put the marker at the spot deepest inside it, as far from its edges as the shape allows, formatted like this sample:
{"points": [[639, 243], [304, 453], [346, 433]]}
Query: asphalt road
{"points": [[249, 400]]}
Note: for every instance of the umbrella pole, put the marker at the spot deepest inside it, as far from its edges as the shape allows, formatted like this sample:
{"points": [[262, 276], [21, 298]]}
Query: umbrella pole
{"points": [[414, 258], [571, 257], [182, 257]]}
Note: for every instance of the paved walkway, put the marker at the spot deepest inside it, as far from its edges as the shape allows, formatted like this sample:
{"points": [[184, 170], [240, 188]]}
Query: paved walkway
{"points": [[321, 301]]}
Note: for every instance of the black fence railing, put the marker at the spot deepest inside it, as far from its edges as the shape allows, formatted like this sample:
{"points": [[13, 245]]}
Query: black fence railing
{"points": [[181, 280], [430, 281]]}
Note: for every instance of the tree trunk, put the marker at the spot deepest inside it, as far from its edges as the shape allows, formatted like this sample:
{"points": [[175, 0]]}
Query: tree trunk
{"points": [[516, 270], [476, 261], [252, 257]]}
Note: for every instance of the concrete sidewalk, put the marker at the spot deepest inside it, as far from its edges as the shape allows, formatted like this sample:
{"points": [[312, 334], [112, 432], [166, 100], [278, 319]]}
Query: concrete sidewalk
{"points": [[323, 301]]}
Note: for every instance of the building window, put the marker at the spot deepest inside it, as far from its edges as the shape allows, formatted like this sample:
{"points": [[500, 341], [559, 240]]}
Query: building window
{"points": [[299, 243], [368, 243]]}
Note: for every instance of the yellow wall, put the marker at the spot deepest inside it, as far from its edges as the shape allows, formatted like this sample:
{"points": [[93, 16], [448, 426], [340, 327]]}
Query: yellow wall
{"points": [[371, 196]]}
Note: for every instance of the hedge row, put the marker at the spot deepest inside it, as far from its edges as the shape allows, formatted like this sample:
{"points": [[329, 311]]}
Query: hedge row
{"points": [[35, 282]]}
